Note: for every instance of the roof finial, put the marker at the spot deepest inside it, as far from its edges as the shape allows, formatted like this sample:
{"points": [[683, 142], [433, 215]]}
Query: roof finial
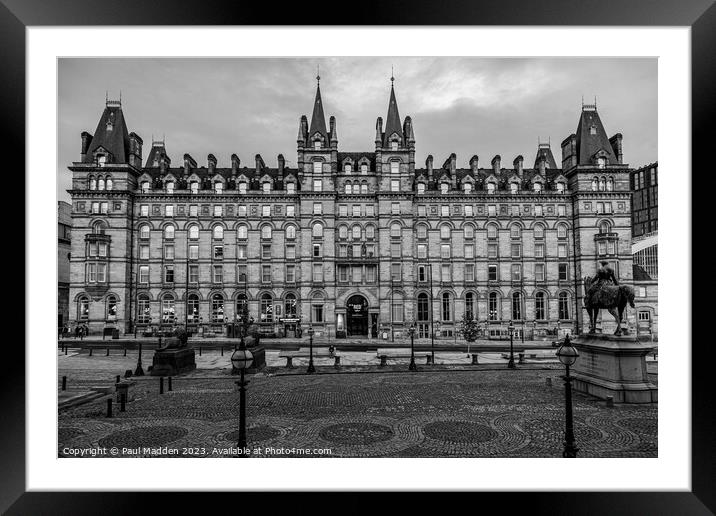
{"points": [[582, 102], [106, 96], [318, 74], [120, 97], [595, 102], [392, 75]]}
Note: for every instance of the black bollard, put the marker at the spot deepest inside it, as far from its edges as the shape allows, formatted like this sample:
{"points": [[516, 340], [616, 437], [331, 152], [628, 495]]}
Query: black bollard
{"points": [[125, 351], [90, 352], [161, 385], [122, 402], [107, 352], [199, 350], [64, 383], [109, 407], [222, 351], [170, 383], [65, 350]]}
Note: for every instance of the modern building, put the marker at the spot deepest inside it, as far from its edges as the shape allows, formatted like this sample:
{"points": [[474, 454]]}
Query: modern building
{"points": [[64, 235], [645, 249], [355, 243]]}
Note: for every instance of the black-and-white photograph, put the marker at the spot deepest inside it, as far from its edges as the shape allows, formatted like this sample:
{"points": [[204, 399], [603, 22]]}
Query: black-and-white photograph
{"points": [[357, 257]]}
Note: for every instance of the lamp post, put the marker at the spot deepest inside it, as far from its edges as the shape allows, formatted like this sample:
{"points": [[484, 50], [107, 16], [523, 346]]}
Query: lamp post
{"points": [[241, 360], [311, 369], [411, 332], [511, 362], [567, 354]]}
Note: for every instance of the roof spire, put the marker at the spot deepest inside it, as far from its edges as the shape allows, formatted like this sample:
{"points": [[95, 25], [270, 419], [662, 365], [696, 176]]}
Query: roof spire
{"points": [[318, 74], [318, 119], [392, 121]]}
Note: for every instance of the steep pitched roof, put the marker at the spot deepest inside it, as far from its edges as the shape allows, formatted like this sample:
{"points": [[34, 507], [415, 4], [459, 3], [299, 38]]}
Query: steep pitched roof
{"points": [[591, 137], [111, 134], [639, 273], [318, 119], [392, 122], [155, 154], [543, 149]]}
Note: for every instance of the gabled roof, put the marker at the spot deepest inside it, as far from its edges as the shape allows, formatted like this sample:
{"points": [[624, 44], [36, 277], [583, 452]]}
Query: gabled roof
{"points": [[357, 156], [318, 119], [111, 134], [392, 122], [592, 138]]}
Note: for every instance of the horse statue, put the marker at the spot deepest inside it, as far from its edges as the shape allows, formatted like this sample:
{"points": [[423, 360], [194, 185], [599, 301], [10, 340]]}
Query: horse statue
{"points": [[612, 297], [177, 341]]}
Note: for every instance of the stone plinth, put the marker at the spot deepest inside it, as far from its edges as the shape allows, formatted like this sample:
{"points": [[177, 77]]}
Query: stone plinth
{"points": [[613, 366], [171, 362]]}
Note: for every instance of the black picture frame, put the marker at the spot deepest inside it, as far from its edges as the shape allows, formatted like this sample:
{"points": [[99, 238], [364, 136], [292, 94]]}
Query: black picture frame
{"points": [[700, 15]]}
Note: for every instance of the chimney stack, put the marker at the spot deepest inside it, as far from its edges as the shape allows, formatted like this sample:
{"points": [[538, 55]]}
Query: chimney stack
{"points": [[259, 165], [519, 160], [86, 142], [616, 142], [211, 160], [235, 163], [429, 165], [474, 165], [496, 164], [281, 166], [189, 163]]}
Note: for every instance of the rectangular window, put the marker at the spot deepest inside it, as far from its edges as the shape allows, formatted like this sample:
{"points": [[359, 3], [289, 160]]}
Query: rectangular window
{"points": [[469, 251], [395, 208], [217, 210], [515, 210], [356, 250], [445, 251], [290, 273], [369, 210], [342, 273], [394, 185], [395, 250], [492, 250], [218, 272], [468, 211], [370, 273], [563, 274], [168, 252], [516, 272], [470, 272], [445, 273], [492, 210], [144, 252], [539, 250], [241, 251], [242, 210], [601, 247], [610, 247], [317, 313], [266, 273], [193, 274], [445, 211], [265, 210], [169, 274], [290, 252], [343, 210], [316, 250], [91, 273], [492, 272], [218, 252], [144, 210], [317, 273], [193, 210], [193, 252], [101, 272], [516, 250], [356, 210], [357, 274], [103, 207], [317, 208], [422, 251], [539, 272], [422, 273], [395, 272], [317, 185], [342, 251], [169, 210], [241, 274], [266, 252], [538, 210], [290, 210], [144, 274], [562, 250], [422, 211], [561, 210]]}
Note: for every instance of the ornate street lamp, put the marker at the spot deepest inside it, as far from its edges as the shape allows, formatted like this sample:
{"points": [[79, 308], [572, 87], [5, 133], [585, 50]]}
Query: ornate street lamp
{"points": [[567, 354], [411, 332], [311, 369], [511, 362], [241, 360]]}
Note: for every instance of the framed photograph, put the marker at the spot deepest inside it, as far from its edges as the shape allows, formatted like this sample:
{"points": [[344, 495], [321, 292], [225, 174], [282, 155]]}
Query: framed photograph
{"points": [[450, 283]]}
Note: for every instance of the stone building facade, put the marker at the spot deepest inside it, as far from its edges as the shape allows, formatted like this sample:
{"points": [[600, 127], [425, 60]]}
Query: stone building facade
{"points": [[353, 243], [64, 238]]}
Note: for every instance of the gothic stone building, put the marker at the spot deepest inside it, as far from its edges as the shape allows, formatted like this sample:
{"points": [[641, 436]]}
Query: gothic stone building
{"points": [[358, 243]]}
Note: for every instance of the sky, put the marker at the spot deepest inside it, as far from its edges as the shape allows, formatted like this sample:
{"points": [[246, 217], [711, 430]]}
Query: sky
{"points": [[249, 106]]}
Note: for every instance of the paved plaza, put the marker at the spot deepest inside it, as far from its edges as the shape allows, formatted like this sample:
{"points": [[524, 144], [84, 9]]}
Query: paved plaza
{"points": [[453, 409]]}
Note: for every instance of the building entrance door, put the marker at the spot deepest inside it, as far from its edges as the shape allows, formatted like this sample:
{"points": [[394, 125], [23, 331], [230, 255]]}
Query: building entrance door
{"points": [[357, 316]]}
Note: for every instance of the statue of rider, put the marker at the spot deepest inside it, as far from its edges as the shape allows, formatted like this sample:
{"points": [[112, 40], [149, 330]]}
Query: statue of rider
{"points": [[605, 275]]}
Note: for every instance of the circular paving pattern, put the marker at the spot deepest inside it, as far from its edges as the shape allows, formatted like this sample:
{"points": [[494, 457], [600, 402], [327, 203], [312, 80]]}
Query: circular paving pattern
{"points": [[255, 434], [356, 433], [639, 425], [65, 434], [459, 432], [146, 436]]}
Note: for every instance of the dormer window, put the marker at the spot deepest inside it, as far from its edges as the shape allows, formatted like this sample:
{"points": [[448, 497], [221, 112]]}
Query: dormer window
{"points": [[194, 187], [145, 186], [170, 187], [593, 129], [560, 187], [444, 187], [601, 162], [537, 187], [467, 188], [421, 188], [490, 188], [290, 188], [394, 145], [218, 187], [101, 160], [266, 187], [513, 188], [242, 187], [347, 168], [364, 169]]}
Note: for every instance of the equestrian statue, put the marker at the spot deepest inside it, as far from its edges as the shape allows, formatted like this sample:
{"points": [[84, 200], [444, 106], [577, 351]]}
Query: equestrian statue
{"points": [[604, 291]]}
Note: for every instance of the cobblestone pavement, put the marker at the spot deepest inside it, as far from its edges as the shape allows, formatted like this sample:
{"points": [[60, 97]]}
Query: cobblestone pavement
{"points": [[439, 413]]}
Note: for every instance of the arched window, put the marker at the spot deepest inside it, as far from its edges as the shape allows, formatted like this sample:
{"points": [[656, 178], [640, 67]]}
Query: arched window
{"points": [[144, 315], [217, 308], [192, 308], [349, 187], [540, 306], [168, 313], [242, 232], [563, 306], [515, 231], [537, 187], [144, 231], [290, 306], [490, 188], [395, 230], [517, 306], [193, 232], [169, 232], [218, 232], [493, 306], [92, 183], [342, 232], [266, 232], [83, 308], [446, 307], [595, 184], [100, 183], [241, 303], [423, 307], [492, 231], [363, 188], [317, 230], [109, 184], [317, 311], [539, 231], [561, 231], [467, 188], [470, 304], [369, 232], [266, 314], [445, 232], [469, 232], [444, 187], [290, 232], [111, 308], [602, 184], [99, 227], [422, 231], [610, 184], [605, 227], [421, 188], [356, 231]]}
